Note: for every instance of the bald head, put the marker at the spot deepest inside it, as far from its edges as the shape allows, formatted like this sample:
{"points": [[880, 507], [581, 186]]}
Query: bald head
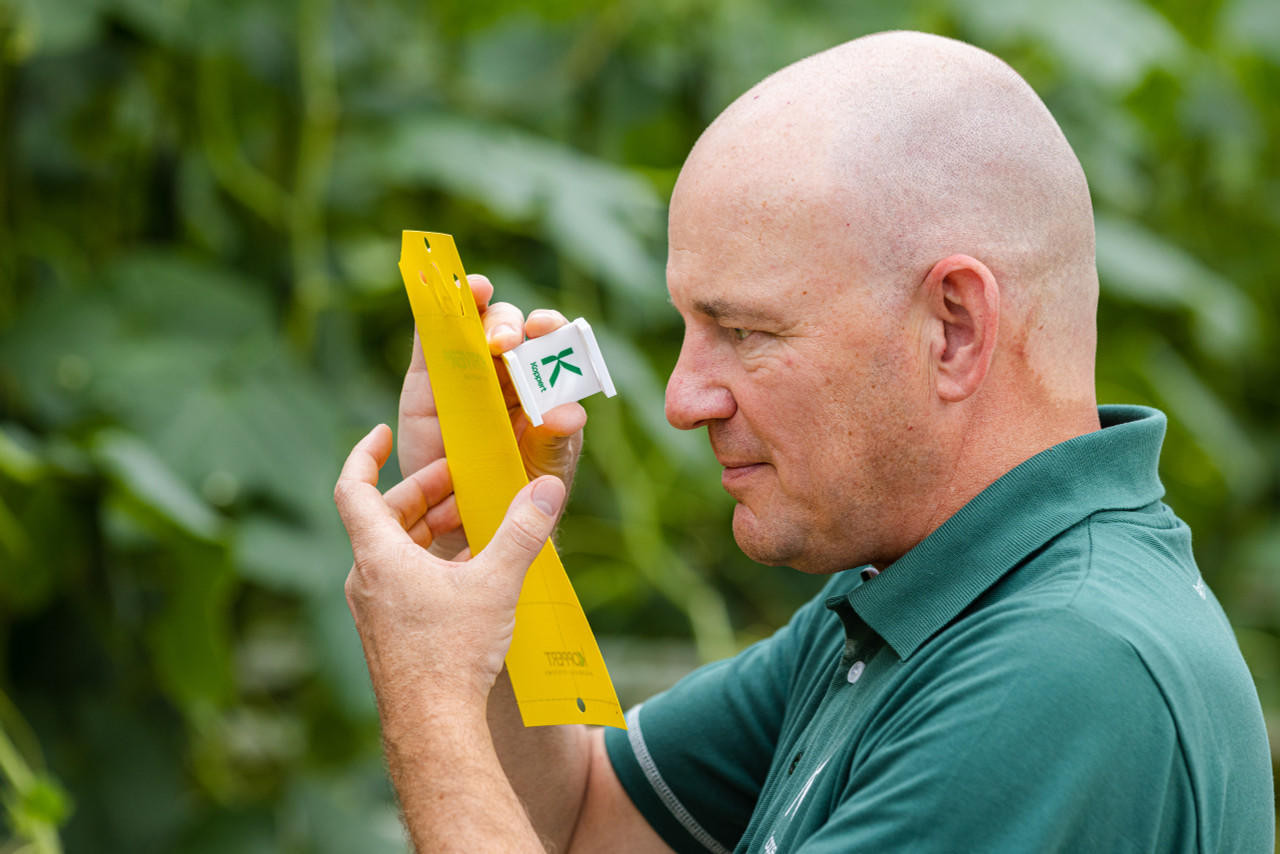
{"points": [[883, 256], [896, 150]]}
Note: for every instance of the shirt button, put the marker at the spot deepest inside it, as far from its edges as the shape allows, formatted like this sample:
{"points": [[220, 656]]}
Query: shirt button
{"points": [[856, 671]]}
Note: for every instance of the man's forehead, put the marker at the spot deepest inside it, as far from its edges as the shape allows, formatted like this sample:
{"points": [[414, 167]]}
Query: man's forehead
{"points": [[754, 267], [733, 292]]}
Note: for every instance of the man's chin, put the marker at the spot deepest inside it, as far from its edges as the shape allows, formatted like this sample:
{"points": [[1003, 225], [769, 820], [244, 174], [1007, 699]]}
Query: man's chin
{"points": [[779, 544], [762, 543]]}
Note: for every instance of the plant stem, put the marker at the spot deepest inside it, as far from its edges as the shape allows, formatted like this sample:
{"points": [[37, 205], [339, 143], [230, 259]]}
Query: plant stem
{"points": [[315, 156], [12, 765]]}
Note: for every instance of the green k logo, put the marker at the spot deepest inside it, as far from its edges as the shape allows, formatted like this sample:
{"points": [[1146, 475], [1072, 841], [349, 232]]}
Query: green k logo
{"points": [[558, 358]]}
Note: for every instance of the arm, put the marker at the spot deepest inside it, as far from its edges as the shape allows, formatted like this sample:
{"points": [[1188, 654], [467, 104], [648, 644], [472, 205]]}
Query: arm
{"points": [[551, 771], [434, 634]]}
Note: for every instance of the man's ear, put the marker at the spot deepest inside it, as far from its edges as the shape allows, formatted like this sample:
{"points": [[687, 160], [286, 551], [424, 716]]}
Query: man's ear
{"points": [[963, 297]]}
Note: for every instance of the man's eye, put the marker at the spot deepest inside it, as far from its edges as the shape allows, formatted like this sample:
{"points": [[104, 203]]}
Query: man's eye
{"points": [[740, 333]]}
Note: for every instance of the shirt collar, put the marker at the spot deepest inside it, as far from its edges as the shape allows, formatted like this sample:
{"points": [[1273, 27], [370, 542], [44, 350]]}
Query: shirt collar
{"points": [[1112, 469]]}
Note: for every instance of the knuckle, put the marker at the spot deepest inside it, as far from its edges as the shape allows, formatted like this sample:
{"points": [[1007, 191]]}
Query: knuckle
{"points": [[549, 314], [503, 311], [405, 555], [527, 533], [343, 491], [352, 587]]}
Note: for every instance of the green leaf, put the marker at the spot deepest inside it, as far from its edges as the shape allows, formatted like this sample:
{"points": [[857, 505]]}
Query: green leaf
{"points": [[248, 831], [339, 815], [644, 392], [17, 461], [1252, 25], [131, 787], [183, 353], [37, 565], [1141, 266], [1114, 43], [289, 558], [134, 467], [595, 213], [41, 805], [166, 294], [45, 28], [339, 653], [267, 426], [1217, 429], [190, 639]]}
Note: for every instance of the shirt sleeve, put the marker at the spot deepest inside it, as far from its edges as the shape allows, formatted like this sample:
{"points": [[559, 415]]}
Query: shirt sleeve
{"points": [[1056, 739], [694, 758]]}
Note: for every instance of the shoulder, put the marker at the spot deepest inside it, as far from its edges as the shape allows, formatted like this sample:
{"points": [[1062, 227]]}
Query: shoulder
{"points": [[1046, 731], [1044, 665]]}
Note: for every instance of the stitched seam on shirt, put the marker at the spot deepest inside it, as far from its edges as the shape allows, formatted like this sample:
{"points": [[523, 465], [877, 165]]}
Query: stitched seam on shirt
{"points": [[1166, 521], [1182, 745], [1083, 580], [663, 791], [1159, 688]]}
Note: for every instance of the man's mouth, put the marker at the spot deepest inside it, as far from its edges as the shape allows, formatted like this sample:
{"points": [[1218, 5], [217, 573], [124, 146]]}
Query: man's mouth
{"points": [[736, 472]]}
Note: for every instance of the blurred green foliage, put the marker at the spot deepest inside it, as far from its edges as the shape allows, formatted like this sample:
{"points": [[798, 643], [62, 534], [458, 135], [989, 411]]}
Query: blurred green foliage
{"points": [[200, 207]]}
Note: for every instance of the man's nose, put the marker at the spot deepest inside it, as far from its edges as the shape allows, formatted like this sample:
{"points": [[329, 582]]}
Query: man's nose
{"points": [[696, 393]]}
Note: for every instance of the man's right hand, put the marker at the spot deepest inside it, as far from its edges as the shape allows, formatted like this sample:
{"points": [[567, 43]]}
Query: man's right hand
{"points": [[552, 448]]}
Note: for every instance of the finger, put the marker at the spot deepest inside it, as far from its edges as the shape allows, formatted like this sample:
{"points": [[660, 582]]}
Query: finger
{"points": [[364, 513], [543, 320], [367, 457], [544, 446], [546, 453], [413, 497], [525, 530], [503, 327], [441, 529], [420, 532], [419, 425], [564, 420], [439, 522], [481, 290], [444, 518]]}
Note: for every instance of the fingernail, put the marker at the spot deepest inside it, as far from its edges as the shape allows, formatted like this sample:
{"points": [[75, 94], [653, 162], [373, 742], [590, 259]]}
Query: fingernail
{"points": [[547, 496], [504, 331]]}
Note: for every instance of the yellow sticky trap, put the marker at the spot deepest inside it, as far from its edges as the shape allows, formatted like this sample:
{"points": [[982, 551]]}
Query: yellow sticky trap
{"points": [[556, 668]]}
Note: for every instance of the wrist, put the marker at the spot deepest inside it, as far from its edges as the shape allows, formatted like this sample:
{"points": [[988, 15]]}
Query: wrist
{"points": [[423, 710], [414, 676], [453, 792]]}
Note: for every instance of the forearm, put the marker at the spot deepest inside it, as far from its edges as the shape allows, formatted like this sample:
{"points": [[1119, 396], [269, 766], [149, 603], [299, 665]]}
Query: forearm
{"points": [[451, 785], [547, 766]]}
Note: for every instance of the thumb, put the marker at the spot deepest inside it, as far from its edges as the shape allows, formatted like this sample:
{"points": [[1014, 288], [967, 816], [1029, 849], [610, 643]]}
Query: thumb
{"points": [[528, 524]]}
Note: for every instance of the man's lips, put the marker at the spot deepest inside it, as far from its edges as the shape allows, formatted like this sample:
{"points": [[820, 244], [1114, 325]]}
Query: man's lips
{"points": [[738, 472]]}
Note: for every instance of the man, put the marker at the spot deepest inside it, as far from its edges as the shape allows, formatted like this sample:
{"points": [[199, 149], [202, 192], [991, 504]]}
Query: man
{"points": [[883, 256]]}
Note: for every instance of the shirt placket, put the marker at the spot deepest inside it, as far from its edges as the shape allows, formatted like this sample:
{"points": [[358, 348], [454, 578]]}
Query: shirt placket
{"points": [[825, 741]]}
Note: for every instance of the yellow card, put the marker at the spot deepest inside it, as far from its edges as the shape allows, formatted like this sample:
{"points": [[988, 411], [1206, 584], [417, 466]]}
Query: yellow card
{"points": [[556, 667]]}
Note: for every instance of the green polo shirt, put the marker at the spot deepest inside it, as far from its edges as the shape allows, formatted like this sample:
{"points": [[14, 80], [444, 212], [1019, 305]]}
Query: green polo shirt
{"points": [[1047, 671]]}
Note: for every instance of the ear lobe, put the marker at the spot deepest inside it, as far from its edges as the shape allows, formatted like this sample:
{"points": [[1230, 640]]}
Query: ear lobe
{"points": [[965, 300]]}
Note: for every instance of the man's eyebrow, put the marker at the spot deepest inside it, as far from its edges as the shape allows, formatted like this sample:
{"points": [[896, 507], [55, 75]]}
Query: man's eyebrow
{"points": [[718, 309]]}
